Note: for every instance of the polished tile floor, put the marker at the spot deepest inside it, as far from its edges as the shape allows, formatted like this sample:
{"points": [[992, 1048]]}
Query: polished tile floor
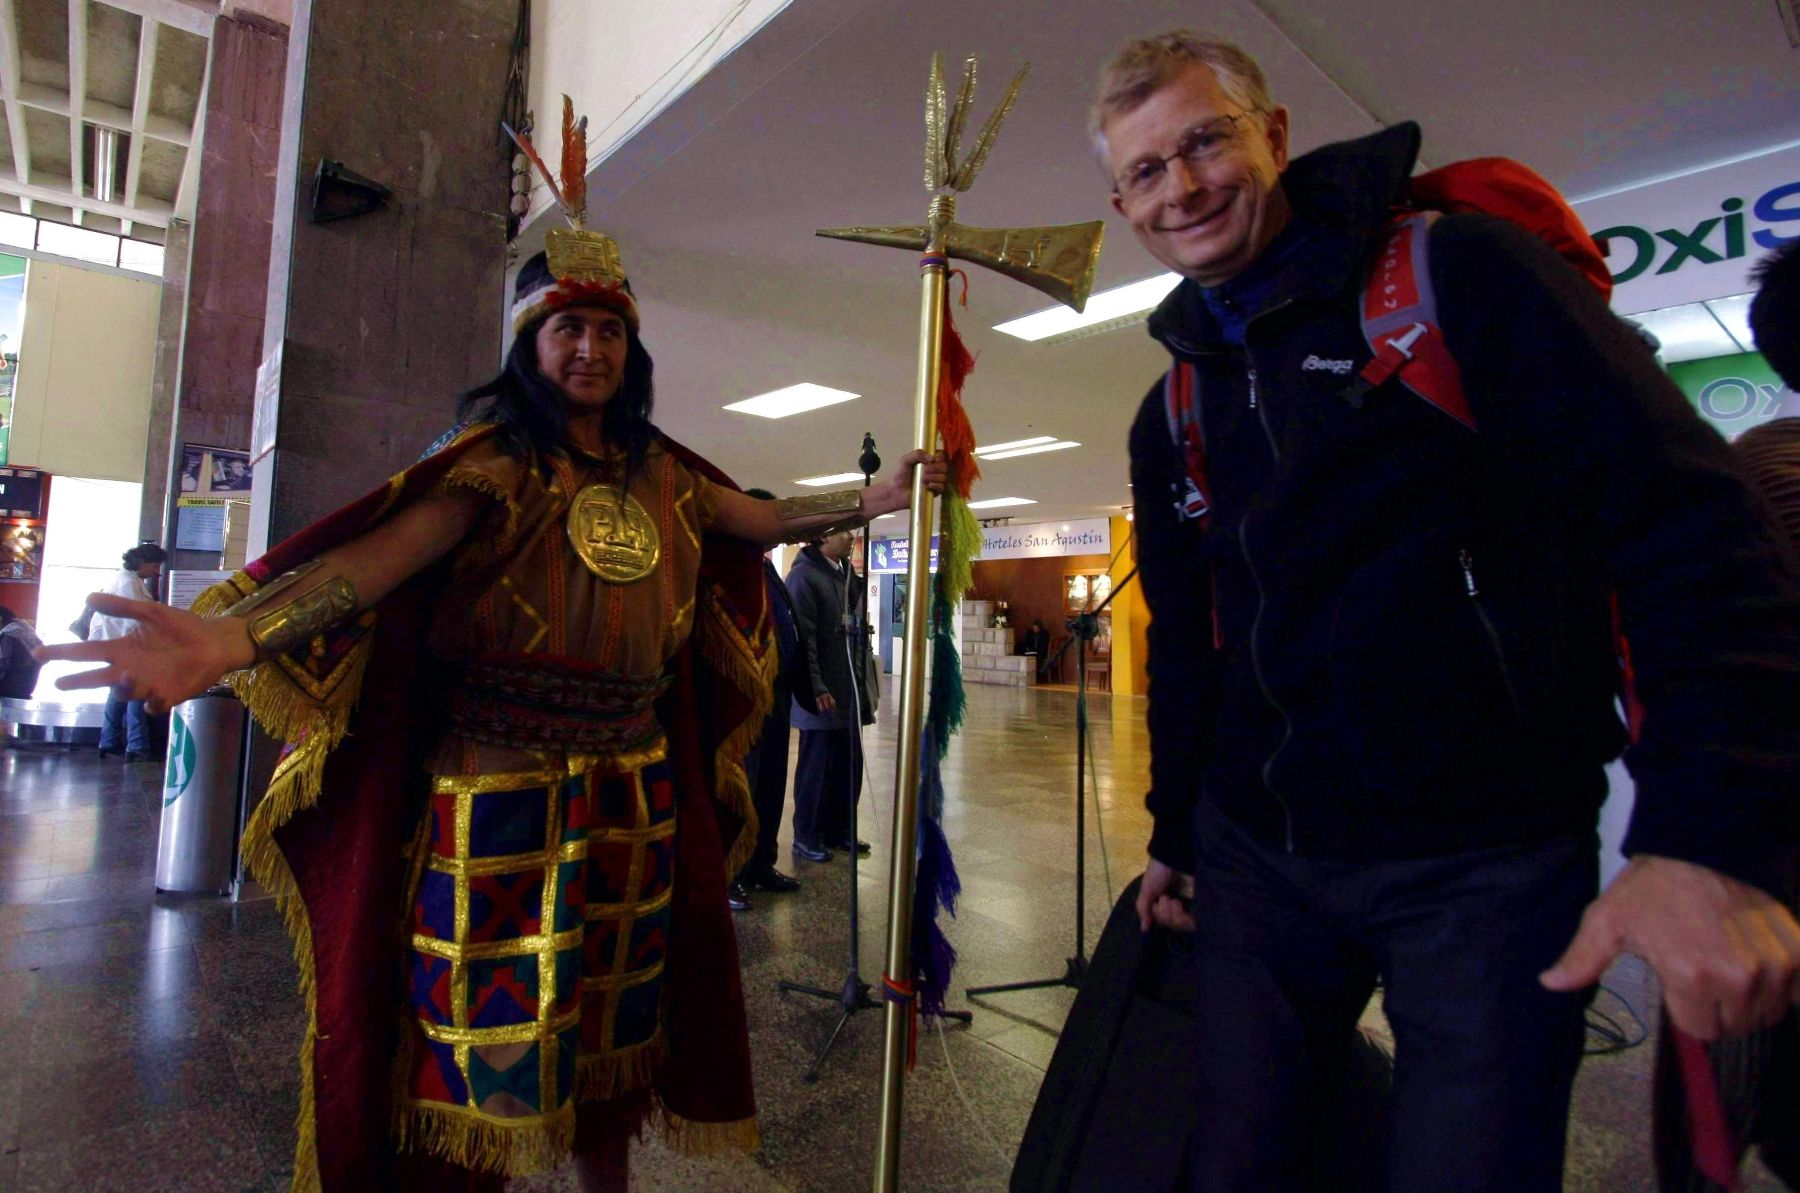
{"points": [[153, 1039]]}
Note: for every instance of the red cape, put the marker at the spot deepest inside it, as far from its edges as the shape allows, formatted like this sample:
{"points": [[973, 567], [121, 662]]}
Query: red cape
{"points": [[330, 838]]}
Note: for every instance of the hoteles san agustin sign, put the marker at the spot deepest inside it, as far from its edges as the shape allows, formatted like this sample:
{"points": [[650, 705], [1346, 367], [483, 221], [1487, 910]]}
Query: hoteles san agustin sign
{"points": [[1036, 540]]}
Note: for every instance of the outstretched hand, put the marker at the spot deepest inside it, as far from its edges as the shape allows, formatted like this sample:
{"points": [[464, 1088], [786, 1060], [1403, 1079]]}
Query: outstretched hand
{"points": [[169, 656], [1727, 954]]}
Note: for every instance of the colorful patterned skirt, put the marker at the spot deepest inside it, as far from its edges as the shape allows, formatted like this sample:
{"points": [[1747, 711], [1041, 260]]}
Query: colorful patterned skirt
{"points": [[540, 930]]}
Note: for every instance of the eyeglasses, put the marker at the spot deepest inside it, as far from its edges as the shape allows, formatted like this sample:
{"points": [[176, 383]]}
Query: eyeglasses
{"points": [[1198, 146]]}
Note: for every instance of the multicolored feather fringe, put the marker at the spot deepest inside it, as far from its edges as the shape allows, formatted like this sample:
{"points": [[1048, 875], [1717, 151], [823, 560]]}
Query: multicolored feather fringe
{"points": [[959, 536]]}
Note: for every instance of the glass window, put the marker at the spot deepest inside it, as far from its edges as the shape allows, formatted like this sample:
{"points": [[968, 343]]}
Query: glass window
{"points": [[81, 244], [140, 257]]}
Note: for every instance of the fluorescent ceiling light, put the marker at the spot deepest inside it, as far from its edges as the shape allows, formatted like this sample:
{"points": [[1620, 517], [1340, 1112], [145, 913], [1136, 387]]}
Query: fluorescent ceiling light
{"points": [[836, 478], [1059, 445], [1012, 443], [795, 399], [1110, 309], [883, 517], [994, 503], [1688, 332], [1734, 313]]}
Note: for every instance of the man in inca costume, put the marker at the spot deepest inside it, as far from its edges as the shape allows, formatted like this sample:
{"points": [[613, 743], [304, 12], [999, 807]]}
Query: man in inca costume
{"points": [[517, 684]]}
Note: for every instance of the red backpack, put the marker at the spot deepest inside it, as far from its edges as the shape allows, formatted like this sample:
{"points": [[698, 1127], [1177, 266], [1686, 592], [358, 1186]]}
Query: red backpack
{"points": [[1399, 307]]}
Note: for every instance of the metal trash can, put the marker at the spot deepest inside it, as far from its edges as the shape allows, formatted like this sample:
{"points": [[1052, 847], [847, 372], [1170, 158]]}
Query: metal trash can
{"points": [[197, 847]]}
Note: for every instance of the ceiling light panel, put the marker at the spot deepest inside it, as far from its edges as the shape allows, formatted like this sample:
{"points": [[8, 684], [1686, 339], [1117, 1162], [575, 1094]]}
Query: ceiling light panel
{"points": [[990, 448], [1734, 313], [836, 478], [994, 503], [1688, 332], [794, 399], [1119, 307], [1058, 445]]}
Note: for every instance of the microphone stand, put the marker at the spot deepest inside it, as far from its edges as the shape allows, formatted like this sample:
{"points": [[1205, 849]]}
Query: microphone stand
{"points": [[854, 995], [1083, 628]]}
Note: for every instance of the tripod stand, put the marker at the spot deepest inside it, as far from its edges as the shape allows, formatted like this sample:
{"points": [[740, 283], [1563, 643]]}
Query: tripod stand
{"points": [[854, 995], [1083, 628]]}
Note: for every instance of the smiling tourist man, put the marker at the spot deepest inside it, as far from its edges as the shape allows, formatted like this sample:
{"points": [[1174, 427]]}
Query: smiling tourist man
{"points": [[1381, 757]]}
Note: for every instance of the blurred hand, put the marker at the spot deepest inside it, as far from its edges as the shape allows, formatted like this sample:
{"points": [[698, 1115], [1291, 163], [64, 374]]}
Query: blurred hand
{"points": [[1164, 898], [169, 656], [826, 702], [895, 493], [1727, 954]]}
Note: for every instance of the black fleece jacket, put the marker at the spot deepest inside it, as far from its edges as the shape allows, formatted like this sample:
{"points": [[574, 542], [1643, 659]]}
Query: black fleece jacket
{"points": [[1415, 652]]}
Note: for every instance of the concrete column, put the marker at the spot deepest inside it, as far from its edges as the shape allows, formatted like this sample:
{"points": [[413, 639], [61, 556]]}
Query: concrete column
{"points": [[165, 385], [220, 281], [377, 322]]}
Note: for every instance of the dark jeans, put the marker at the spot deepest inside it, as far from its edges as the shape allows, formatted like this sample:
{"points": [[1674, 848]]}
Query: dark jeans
{"points": [[766, 765], [1289, 951], [827, 779], [126, 719]]}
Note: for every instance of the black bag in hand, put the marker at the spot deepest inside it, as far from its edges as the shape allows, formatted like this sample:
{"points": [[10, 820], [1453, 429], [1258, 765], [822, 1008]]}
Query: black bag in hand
{"points": [[1118, 1102]]}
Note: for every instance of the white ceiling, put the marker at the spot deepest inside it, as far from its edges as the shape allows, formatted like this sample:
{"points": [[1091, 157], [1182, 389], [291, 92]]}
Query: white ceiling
{"points": [[818, 121]]}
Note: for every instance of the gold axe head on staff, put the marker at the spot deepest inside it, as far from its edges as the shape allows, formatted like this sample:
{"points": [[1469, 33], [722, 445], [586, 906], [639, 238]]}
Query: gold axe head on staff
{"points": [[1058, 260]]}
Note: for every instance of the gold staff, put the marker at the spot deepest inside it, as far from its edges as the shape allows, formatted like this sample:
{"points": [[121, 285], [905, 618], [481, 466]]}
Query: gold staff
{"points": [[1060, 262]]}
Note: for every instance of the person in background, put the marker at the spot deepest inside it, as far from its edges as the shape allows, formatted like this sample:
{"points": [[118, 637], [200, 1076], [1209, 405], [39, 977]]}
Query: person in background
{"points": [[1775, 315], [1758, 1073], [18, 670], [1036, 642], [125, 718], [828, 777], [767, 761]]}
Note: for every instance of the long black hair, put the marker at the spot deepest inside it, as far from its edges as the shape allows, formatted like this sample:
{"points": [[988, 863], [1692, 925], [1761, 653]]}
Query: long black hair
{"points": [[534, 415]]}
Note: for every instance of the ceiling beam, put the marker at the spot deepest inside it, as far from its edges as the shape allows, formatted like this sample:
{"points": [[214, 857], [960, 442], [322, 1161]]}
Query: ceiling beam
{"points": [[140, 112], [9, 94], [48, 190], [187, 191], [191, 15], [78, 27]]}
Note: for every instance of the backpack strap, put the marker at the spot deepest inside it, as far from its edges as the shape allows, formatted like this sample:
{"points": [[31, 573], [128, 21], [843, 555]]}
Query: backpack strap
{"points": [[1181, 405], [1400, 319]]}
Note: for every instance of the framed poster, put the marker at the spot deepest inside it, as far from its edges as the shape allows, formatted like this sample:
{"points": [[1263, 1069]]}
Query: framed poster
{"points": [[212, 471]]}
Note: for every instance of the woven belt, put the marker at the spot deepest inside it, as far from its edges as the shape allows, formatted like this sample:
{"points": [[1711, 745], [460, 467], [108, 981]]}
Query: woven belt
{"points": [[541, 704]]}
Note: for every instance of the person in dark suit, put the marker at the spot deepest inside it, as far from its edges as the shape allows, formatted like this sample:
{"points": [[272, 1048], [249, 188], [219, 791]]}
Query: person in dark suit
{"points": [[767, 762], [1036, 642], [828, 776]]}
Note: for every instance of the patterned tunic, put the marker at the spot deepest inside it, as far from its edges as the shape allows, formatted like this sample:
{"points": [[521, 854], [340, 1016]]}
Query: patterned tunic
{"points": [[543, 871]]}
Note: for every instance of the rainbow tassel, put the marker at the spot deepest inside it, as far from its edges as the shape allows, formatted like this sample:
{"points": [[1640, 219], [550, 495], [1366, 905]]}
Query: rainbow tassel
{"points": [[937, 884]]}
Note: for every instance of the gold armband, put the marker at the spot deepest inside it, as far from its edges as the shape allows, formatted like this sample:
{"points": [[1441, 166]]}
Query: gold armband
{"points": [[842, 501], [289, 626]]}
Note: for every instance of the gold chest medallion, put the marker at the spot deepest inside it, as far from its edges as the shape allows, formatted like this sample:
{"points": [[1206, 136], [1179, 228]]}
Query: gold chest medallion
{"points": [[613, 534]]}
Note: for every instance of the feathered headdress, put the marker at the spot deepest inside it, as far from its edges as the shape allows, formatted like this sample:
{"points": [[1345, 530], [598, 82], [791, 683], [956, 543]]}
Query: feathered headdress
{"points": [[581, 267]]}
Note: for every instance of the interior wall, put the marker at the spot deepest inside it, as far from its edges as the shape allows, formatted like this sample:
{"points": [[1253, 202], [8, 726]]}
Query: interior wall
{"points": [[1031, 588], [86, 364]]}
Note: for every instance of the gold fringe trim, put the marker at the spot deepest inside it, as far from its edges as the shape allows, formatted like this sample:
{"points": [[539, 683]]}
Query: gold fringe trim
{"points": [[753, 674], [694, 1138], [483, 1144], [269, 867], [600, 1078], [462, 476]]}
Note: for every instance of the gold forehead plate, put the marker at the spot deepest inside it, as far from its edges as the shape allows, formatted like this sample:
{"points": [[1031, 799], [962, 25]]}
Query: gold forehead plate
{"points": [[582, 256], [613, 534]]}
